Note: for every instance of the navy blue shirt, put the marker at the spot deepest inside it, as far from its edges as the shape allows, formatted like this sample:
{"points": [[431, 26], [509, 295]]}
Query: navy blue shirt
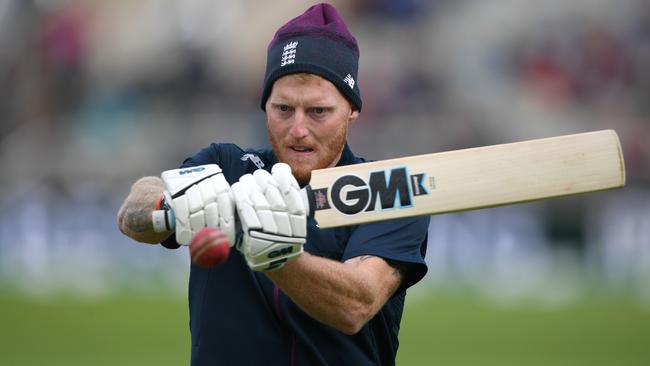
{"points": [[239, 317]]}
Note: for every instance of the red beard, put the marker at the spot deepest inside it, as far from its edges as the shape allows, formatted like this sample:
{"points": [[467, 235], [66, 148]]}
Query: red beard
{"points": [[326, 155]]}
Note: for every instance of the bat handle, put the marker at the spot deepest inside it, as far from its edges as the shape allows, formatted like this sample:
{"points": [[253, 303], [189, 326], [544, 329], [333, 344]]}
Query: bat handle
{"points": [[163, 221], [308, 200]]}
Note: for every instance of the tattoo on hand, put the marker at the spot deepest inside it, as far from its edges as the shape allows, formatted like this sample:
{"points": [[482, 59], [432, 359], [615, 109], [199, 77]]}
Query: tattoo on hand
{"points": [[135, 214], [138, 221], [136, 217]]}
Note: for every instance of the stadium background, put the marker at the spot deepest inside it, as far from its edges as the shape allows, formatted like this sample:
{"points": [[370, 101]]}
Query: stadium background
{"points": [[97, 93]]}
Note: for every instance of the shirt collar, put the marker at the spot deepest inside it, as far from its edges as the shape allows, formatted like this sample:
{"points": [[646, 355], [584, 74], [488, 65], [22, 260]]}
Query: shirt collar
{"points": [[347, 157]]}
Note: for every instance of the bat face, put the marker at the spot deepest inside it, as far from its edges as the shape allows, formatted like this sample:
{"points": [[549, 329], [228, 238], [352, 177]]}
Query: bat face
{"points": [[466, 179]]}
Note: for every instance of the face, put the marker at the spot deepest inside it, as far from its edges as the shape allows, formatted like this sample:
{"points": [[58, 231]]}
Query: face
{"points": [[307, 120]]}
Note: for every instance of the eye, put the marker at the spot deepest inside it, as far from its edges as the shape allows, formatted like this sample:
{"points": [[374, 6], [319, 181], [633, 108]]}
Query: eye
{"points": [[320, 112], [283, 108]]}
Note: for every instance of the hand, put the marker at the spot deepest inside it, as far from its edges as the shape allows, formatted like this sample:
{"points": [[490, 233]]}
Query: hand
{"points": [[273, 217], [199, 197]]}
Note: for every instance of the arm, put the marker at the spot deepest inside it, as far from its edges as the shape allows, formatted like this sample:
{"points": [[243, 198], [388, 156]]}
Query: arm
{"points": [[344, 295], [134, 217], [197, 196]]}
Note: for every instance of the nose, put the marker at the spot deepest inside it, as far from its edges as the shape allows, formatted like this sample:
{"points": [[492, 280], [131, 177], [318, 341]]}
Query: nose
{"points": [[299, 128]]}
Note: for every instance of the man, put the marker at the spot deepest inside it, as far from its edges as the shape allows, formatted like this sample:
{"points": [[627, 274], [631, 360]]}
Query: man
{"points": [[338, 301]]}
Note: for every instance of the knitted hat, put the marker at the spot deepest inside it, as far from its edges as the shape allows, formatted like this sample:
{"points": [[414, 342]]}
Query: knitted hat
{"points": [[316, 42]]}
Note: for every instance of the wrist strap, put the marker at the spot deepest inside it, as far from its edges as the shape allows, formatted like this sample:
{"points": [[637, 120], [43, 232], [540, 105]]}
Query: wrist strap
{"points": [[162, 203], [162, 218]]}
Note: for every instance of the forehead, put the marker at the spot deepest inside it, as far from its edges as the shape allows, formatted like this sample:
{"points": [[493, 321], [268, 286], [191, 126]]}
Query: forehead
{"points": [[305, 86]]}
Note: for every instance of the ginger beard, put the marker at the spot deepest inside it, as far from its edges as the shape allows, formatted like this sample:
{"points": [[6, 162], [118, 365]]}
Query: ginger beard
{"points": [[326, 153]]}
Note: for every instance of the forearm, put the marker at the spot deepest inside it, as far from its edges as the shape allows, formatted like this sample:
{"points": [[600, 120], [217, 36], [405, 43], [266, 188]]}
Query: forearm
{"points": [[134, 217], [343, 295]]}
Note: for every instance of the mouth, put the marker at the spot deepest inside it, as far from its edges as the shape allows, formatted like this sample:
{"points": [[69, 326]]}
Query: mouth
{"points": [[301, 149]]}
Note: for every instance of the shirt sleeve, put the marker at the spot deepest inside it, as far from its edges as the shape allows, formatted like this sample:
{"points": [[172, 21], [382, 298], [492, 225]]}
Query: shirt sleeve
{"points": [[208, 155], [402, 240]]}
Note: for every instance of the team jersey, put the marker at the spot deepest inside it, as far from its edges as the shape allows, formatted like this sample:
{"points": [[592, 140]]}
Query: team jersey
{"points": [[239, 317]]}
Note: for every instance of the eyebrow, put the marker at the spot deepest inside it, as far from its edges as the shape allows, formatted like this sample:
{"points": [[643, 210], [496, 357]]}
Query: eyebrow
{"points": [[309, 104]]}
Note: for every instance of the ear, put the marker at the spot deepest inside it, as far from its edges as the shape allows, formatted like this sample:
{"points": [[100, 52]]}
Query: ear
{"points": [[354, 114]]}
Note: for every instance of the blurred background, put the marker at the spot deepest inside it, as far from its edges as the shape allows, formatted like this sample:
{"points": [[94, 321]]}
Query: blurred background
{"points": [[97, 93]]}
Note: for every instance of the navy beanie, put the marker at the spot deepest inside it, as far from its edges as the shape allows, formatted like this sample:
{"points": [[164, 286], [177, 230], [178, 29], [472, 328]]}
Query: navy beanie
{"points": [[316, 42]]}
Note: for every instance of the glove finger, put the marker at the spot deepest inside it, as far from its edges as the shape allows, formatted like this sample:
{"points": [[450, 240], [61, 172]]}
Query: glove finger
{"points": [[275, 198], [197, 221], [281, 172], [208, 191], [194, 199], [183, 236], [269, 187], [247, 214], [249, 181], [226, 204], [241, 191], [260, 204], [283, 223], [263, 179], [291, 193], [182, 214], [298, 225], [220, 183], [230, 229], [289, 188], [211, 214], [295, 203], [259, 201]]}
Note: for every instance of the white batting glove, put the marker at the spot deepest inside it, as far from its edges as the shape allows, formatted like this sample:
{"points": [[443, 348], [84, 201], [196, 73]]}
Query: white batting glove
{"points": [[272, 216], [199, 197]]}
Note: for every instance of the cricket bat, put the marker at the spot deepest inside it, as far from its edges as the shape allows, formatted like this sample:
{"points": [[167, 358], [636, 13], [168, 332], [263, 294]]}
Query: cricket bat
{"points": [[466, 179], [459, 180]]}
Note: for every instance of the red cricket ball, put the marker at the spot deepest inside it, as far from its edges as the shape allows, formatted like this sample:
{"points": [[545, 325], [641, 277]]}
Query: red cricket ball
{"points": [[209, 247]]}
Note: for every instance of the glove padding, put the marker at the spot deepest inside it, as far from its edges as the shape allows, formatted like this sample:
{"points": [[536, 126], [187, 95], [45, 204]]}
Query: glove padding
{"points": [[272, 216], [199, 197]]}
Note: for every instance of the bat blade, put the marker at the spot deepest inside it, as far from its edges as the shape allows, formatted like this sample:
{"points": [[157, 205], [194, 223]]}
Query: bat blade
{"points": [[466, 179]]}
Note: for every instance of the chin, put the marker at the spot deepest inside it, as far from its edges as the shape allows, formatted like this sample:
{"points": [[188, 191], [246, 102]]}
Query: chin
{"points": [[302, 166], [301, 171]]}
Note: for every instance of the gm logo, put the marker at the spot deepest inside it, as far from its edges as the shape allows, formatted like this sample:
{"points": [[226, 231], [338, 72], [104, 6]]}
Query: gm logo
{"points": [[191, 170], [383, 190], [279, 252]]}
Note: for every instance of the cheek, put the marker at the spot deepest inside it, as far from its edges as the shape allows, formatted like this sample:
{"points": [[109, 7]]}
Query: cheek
{"points": [[275, 129], [334, 133]]}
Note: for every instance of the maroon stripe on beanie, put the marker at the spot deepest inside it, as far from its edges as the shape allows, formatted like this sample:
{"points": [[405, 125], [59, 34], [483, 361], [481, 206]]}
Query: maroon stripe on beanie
{"points": [[321, 20]]}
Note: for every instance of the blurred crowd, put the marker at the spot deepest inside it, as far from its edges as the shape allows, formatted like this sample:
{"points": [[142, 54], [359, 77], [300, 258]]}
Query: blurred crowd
{"points": [[100, 92]]}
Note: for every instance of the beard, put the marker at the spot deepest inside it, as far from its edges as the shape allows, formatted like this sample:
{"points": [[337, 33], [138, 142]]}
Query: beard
{"points": [[327, 154]]}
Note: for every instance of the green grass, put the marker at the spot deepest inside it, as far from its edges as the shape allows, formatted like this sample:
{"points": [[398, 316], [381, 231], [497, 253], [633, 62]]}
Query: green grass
{"points": [[457, 332], [441, 330], [116, 331]]}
